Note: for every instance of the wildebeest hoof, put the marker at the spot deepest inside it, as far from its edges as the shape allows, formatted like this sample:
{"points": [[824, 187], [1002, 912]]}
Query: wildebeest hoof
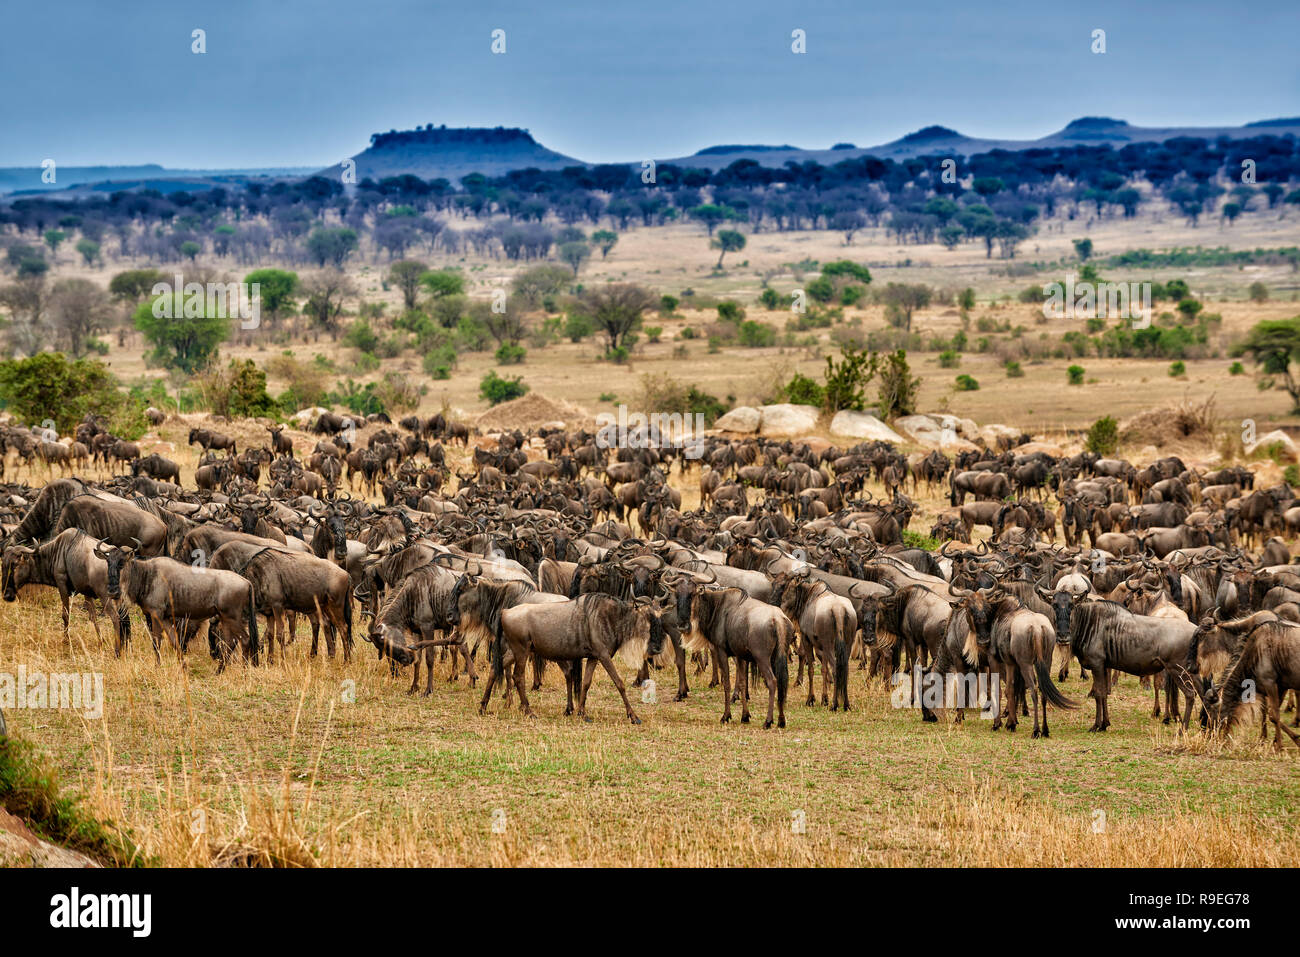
{"points": [[744, 719], [635, 719], [1037, 734], [781, 723], [726, 719], [929, 717]]}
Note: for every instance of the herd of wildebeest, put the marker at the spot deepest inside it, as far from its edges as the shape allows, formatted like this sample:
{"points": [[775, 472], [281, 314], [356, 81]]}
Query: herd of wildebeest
{"points": [[571, 547]]}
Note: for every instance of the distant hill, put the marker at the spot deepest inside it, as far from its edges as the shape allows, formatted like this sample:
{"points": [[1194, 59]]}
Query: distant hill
{"points": [[1086, 131], [27, 179], [438, 152]]}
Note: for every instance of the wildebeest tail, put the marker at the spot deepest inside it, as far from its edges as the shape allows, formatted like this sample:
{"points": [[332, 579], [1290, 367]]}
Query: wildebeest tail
{"points": [[252, 624], [780, 666], [347, 613], [1050, 691]]}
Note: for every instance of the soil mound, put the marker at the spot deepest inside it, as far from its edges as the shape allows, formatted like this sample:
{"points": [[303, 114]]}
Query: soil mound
{"points": [[531, 411]]}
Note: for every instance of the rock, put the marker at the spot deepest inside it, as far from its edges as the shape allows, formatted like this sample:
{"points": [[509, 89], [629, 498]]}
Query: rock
{"points": [[1276, 437], [862, 425], [19, 847], [955, 445], [305, 417], [1029, 448], [742, 418], [787, 419], [555, 425]]}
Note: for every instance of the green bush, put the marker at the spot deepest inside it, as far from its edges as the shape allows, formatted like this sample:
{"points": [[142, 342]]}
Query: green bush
{"points": [[730, 311], [949, 359], [1103, 436], [495, 389], [769, 298], [756, 335], [439, 362], [688, 332], [51, 386], [577, 327], [966, 383], [510, 354], [1236, 369], [668, 304], [802, 390], [1177, 369], [1013, 370], [1074, 375], [1291, 475]]}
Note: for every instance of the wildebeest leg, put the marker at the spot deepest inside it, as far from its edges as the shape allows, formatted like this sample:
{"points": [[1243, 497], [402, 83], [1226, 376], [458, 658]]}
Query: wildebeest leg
{"points": [[493, 674], [66, 600], [1157, 684], [725, 668], [608, 662], [1011, 670], [155, 629], [94, 616], [521, 662], [415, 671], [679, 659], [539, 666], [428, 664], [807, 653], [713, 660]]}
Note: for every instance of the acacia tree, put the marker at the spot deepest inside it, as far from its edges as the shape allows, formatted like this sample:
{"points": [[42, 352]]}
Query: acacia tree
{"points": [[405, 275], [325, 292], [275, 289], [728, 241], [901, 300], [1273, 345], [615, 309], [79, 311]]}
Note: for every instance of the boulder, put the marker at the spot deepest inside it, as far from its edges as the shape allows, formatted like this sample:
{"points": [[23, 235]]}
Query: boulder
{"points": [[305, 417], [862, 425], [817, 444], [1030, 448], [742, 418], [1276, 437], [788, 420]]}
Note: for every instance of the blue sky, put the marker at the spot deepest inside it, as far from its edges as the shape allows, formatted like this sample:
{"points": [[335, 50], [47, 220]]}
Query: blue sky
{"points": [[288, 83]]}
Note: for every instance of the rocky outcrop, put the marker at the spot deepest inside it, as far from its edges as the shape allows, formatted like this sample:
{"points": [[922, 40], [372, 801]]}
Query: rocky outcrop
{"points": [[863, 426], [788, 420]]}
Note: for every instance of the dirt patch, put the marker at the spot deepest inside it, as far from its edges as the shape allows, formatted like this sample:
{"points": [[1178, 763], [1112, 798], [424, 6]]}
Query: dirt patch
{"points": [[533, 410]]}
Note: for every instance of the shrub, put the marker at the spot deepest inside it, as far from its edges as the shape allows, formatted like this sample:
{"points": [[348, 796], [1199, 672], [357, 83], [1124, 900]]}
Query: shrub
{"points": [[668, 304], [1177, 369], [967, 383], [948, 359], [803, 390], [1258, 292], [439, 362], [1013, 370], [577, 327], [1291, 475], [769, 298], [1236, 369], [49, 385], [1074, 375], [688, 332], [1103, 436], [654, 333], [495, 389], [757, 335], [730, 311], [510, 354]]}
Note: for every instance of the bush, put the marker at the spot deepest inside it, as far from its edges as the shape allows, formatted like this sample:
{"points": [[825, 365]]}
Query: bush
{"points": [[1178, 369], [966, 383], [769, 298], [51, 386], [1103, 436], [654, 333], [510, 354], [439, 362], [495, 390], [730, 311], [1291, 475], [802, 390], [948, 359], [1074, 375], [1013, 370], [688, 332], [577, 327], [668, 304], [1258, 292], [1236, 369], [756, 335]]}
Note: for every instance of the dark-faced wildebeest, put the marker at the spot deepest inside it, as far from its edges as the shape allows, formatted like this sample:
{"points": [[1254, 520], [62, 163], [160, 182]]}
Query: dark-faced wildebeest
{"points": [[70, 563], [594, 627]]}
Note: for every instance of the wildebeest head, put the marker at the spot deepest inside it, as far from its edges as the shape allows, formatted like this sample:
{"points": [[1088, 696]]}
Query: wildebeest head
{"points": [[16, 569], [390, 640], [117, 557], [981, 608], [1062, 603]]}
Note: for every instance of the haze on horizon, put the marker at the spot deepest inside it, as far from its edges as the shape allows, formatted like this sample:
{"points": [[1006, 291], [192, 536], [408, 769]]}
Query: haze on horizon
{"points": [[298, 84]]}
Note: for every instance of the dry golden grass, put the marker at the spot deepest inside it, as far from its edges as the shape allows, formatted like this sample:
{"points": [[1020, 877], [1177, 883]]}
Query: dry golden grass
{"points": [[313, 762]]}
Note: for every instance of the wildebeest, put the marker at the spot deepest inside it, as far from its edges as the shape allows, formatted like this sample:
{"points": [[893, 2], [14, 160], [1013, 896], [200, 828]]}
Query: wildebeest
{"points": [[594, 627], [207, 439], [730, 624], [169, 592], [72, 563]]}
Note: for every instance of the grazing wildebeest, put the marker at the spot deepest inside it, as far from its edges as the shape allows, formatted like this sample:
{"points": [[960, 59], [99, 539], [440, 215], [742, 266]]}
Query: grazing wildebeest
{"points": [[594, 627], [71, 563], [730, 624], [157, 467], [426, 604], [1260, 648], [168, 592], [116, 522]]}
